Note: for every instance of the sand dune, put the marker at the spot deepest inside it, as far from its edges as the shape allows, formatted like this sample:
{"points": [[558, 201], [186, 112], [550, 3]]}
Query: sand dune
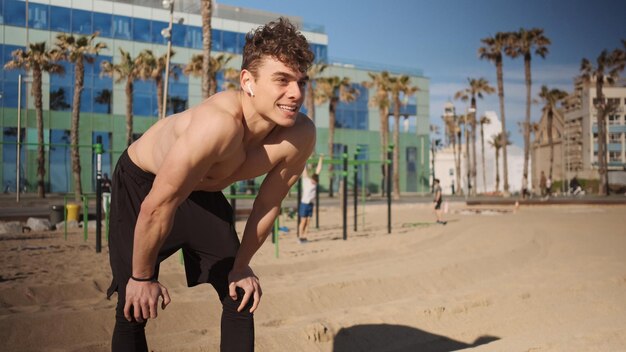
{"points": [[539, 279]]}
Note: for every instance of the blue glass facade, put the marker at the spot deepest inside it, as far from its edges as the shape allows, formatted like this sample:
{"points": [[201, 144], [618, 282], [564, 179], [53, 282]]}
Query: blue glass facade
{"points": [[13, 12], [9, 79], [97, 92], [354, 115]]}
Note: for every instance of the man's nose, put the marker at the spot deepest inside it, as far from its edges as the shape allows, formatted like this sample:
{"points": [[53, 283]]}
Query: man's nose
{"points": [[294, 91]]}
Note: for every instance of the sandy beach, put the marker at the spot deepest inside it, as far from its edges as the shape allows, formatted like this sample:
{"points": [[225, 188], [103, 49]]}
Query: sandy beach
{"points": [[543, 278]]}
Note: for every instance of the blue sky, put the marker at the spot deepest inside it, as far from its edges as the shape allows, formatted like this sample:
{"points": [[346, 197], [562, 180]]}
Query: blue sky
{"points": [[441, 37]]}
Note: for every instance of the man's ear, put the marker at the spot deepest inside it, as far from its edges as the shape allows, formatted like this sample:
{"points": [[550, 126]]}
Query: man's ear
{"points": [[244, 77]]}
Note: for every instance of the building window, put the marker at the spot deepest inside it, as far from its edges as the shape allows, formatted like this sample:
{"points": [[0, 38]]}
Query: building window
{"points": [[178, 92], [179, 32], [62, 19], [354, 115], [60, 165], [81, 22], [141, 30], [194, 37], [615, 156], [614, 119], [157, 37], [14, 13], [38, 16], [9, 159], [615, 137], [229, 41], [122, 27], [613, 101], [103, 23], [216, 40]]}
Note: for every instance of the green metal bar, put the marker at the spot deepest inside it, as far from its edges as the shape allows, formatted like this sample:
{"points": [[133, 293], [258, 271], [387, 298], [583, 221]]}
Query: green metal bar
{"points": [[85, 216], [363, 193], [276, 227], [106, 219], [65, 215]]}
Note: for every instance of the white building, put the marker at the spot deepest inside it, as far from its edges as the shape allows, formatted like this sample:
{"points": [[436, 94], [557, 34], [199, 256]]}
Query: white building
{"points": [[445, 169]]}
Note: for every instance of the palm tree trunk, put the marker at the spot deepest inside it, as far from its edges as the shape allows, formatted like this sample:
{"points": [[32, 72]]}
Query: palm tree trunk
{"points": [[482, 154], [331, 142], [213, 84], [129, 111], [454, 154], [602, 158], [504, 142], [384, 138], [79, 73], [468, 167], [396, 148], [527, 121], [159, 90], [310, 101], [497, 169], [550, 142], [475, 188], [41, 158], [458, 162], [206, 12]]}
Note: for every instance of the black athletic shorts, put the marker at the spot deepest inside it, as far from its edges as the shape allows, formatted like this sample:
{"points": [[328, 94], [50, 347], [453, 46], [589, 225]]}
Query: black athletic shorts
{"points": [[438, 204], [202, 227]]}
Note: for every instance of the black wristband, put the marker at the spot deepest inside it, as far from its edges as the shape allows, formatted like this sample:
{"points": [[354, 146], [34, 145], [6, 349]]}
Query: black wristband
{"points": [[150, 279]]}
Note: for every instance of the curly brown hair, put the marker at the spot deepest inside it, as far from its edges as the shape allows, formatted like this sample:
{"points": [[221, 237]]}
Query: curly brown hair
{"points": [[278, 39]]}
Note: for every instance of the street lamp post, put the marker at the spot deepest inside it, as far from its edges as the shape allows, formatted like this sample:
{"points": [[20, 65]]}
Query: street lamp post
{"points": [[167, 33], [19, 130], [470, 110]]}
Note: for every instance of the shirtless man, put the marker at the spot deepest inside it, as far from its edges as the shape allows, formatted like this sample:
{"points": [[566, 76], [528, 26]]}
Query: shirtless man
{"points": [[167, 189]]}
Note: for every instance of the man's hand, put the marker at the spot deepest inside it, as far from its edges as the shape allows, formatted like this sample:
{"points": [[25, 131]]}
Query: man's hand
{"points": [[245, 279], [143, 297]]}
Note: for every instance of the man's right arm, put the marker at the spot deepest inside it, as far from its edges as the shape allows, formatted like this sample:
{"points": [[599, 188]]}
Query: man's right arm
{"points": [[185, 164]]}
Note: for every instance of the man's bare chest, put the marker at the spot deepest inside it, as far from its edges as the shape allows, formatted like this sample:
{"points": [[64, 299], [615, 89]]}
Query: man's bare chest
{"points": [[240, 165]]}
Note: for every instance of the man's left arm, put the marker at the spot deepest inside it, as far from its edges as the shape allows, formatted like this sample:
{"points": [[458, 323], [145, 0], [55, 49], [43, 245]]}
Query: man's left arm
{"points": [[265, 209], [296, 150]]}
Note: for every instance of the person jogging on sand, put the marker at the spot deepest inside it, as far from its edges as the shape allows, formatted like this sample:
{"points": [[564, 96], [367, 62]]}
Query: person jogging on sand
{"points": [[167, 189]]}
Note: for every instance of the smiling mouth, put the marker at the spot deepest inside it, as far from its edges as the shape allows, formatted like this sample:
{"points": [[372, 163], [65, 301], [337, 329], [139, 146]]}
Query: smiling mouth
{"points": [[288, 108]]}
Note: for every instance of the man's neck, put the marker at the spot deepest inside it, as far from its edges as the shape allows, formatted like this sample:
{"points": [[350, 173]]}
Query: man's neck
{"points": [[256, 126]]}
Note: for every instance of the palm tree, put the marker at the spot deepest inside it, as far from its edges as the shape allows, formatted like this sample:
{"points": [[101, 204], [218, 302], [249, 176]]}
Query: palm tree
{"points": [[333, 90], [551, 97], [218, 64], [496, 143], [492, 51], [380, 99], [105, 97], [206, 12], [153, 68], [129, 70], [524, 43], [400, 85], [314, 73], [483, 121], [37, 59], [477, 87], [608, 67], [452, 130], [78, 51]]}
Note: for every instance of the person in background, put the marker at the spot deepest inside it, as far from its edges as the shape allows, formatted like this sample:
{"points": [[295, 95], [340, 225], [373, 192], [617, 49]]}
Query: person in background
{"points": [[437, 201], [307, 201]]}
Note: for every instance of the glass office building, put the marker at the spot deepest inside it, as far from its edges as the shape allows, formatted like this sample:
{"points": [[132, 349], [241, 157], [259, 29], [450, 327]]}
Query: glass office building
{"points": [[135, 25]]}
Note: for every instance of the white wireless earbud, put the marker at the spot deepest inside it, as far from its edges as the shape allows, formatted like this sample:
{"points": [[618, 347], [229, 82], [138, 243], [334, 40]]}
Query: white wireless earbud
{"points": [[249, 86]]}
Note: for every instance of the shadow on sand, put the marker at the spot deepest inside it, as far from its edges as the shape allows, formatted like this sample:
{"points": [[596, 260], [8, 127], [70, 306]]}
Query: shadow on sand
{"points": [[398, 338]]}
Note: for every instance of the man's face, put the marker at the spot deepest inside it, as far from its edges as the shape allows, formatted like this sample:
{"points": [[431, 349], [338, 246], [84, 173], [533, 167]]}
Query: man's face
{"points": [[278, 91]]}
